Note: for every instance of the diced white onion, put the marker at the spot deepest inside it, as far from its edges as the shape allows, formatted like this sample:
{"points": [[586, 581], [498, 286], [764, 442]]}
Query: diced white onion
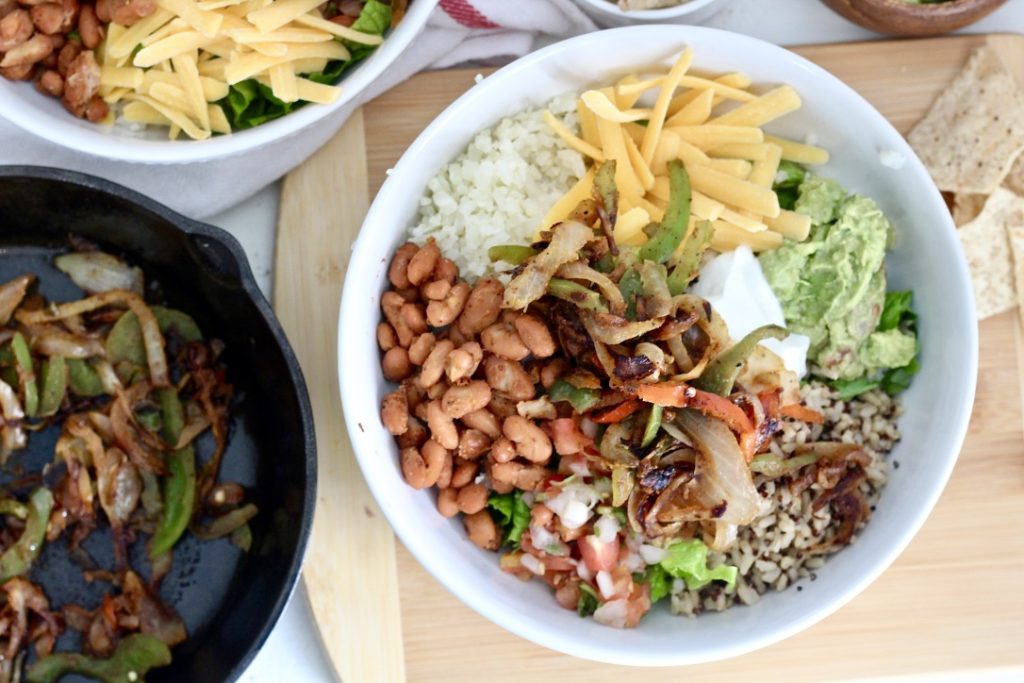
{"points": [[579, 467], [612, 613], [605, 584], [533, 564], [652, 554], [635, 563], [606, 529], [584, 571], [588, 427]]}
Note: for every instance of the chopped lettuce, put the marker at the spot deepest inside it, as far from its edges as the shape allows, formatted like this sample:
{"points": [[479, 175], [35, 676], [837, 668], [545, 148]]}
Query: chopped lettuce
{"points": [[588, 602], [511, 513], [250, 103], [687, 560]]}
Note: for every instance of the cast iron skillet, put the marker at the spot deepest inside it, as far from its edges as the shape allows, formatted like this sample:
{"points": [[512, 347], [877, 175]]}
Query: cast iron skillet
{"points": [[229, 600]]}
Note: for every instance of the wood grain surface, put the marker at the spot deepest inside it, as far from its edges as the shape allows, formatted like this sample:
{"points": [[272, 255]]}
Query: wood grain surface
{"points": [[350, 570], [952, 602]]}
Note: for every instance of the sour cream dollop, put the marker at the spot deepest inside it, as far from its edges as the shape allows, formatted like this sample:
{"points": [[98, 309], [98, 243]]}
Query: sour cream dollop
{"points": [[736, 288]]}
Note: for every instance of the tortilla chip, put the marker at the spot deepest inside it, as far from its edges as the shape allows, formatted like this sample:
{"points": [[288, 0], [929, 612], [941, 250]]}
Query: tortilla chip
{"points": [[967, 207], [1014, 180], [975, 129], [986, 245], [1015, 233]]}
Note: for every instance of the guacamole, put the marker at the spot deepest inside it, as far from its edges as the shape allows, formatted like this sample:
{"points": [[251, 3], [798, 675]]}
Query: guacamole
{"points": [[832, 286]]}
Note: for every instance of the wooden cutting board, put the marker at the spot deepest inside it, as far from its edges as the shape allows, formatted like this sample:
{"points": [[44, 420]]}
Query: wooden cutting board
{"points": [[952, 602]]}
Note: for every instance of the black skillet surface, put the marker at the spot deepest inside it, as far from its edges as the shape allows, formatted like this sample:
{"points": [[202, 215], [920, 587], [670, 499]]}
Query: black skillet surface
{"points": [[229, 600]]}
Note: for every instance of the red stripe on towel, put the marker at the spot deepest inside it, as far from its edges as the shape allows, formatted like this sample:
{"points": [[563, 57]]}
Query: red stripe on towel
{"points": [[466, 14]]}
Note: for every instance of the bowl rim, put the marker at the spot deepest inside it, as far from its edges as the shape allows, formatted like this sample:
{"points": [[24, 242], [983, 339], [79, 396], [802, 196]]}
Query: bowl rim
{"points": [[68, 132], [247, 283], [612, 10], [486, 606]]}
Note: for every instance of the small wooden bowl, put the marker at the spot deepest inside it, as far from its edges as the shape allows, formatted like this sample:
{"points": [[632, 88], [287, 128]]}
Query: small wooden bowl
{"points": [[899, 18]]}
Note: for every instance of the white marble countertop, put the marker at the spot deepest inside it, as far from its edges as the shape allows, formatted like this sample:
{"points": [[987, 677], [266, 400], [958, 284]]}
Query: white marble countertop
{"points": [[293, 653]]}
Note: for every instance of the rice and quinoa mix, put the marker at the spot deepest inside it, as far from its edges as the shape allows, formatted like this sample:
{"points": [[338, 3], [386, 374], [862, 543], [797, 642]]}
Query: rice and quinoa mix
{"points": [[774, 551], [497, 192]]}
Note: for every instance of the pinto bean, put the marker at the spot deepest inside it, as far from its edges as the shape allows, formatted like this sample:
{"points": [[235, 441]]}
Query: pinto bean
{"points": [[541, 515], [442, 428], [96, 110], [502, 340], [503, 450], [536, 335], [421, 348], [444, 480], [460, 399], [89, 28], [530, 440], [422, 467], [463, 361], [15, 29], [32, 51], [502, 406], [413, 316], [520, 476], [386, 337], [436, 290], [472, 444], [414, 436], [18, 73], [472, 498], [128, 12], [433, 365], [551, 371], [446, 270], [482, 307], [444, 312], [7, 6], [391, 303], [481, 529], [508, 377], [446, 502], [51, 83], [483, 421], [394, 412], [422, 263], [55, 17], [437, 390], [396, 365], [81, 83], [103, 11], [68, 53], [400, 265], [465, 471]]}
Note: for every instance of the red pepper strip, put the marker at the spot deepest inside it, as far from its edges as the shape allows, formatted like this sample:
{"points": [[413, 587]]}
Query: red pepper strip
{"points": [[680, 395], [770, 402], [803, 413], [617, 413]]}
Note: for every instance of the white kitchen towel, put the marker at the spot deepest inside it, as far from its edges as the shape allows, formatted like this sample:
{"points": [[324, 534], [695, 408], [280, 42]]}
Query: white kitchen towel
{"points": [[458, 31]]}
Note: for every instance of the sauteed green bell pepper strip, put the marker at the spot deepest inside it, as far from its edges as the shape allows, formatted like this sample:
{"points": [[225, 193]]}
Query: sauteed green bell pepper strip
{"points": [[607, 194], [26, 374], [172, 415], [179, 501], [721, 373], [15, 508], [55, 385], [131, 661], [688, 264], [510, 253], [653, 424], [631, 285], [83, 378], [576, 293], [18, 558], [580, 399], [660, 247]]}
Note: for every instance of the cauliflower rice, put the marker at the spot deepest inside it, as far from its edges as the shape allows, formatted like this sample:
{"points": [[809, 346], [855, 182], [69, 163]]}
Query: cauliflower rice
{"points": [[499, 189]]}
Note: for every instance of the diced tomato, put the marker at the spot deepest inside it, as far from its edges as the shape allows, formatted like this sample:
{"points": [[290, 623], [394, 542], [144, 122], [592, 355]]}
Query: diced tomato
{"points": [[567, 436], [638, 604], [552, 563], [598, 555]]}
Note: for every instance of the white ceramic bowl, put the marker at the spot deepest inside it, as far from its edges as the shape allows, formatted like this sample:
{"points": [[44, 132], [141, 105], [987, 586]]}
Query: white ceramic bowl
{"points": [[607, 14], [927, 258], [46, 117]]}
